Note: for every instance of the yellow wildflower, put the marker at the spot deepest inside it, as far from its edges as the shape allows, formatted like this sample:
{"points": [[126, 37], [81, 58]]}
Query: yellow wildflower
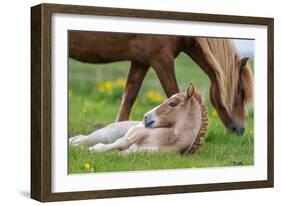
{"points": [[106, 86], [87, 165], [119, 83], [154, 96], [84, 110], [214, 113]]}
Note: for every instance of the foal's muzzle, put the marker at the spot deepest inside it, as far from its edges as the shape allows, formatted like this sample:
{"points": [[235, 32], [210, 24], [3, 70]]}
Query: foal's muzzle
{"points": [[148, 121]]}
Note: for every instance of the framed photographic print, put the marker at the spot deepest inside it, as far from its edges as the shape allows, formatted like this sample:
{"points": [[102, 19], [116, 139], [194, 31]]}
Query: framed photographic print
{"points": [[132, 102]]}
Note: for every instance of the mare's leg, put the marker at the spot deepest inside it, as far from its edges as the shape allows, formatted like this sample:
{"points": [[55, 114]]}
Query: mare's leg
{"points": [[163, 64], [134, 80]]}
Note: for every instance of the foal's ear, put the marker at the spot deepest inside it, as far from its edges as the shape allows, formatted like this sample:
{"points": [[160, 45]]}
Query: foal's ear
{"points": [[190, 91], [243, 61]]}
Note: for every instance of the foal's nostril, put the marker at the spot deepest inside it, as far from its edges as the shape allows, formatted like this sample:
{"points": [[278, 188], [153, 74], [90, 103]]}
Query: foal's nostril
{"points": [[145, 117], [148, 121]]}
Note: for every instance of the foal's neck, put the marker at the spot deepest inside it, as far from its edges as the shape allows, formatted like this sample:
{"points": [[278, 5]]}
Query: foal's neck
{"points": [[190, 122]]}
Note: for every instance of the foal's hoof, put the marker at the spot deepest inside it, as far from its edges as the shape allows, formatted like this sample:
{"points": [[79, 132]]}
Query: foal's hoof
{"points": [[71, 140], [74, 141], [100, 147], [78, 140]]}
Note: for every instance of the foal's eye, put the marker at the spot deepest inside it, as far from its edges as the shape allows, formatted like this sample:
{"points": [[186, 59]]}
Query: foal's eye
{"points": [[172, 104]]}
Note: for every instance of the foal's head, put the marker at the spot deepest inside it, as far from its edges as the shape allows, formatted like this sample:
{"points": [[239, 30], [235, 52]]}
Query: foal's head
{"points": [[174, 109]]}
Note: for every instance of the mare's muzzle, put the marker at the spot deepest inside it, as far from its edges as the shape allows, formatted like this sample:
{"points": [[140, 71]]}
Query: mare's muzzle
{"points": [[234, 128]]}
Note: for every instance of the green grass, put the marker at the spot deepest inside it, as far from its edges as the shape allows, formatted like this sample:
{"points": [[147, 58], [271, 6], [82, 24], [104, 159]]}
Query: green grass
{"points": [[90, 109]]}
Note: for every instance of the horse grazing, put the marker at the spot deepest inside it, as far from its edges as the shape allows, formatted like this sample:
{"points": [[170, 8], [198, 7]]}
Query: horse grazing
{"points": [[179, 124], [231, 79]]}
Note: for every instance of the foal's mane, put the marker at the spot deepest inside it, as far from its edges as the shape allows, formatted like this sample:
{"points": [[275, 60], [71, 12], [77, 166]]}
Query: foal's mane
{"points": [[224, 59], [201, 136]]}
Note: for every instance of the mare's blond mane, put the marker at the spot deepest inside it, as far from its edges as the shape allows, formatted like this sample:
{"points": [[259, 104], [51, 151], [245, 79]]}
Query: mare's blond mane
{"points": [[224, 59]]}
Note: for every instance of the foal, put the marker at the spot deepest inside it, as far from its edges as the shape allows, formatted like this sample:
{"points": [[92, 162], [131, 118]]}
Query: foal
{"points": [[179, 124]]}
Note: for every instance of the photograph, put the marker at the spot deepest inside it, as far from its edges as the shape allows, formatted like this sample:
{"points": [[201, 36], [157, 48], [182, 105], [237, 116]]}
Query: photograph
{"points": [[151, 101]]}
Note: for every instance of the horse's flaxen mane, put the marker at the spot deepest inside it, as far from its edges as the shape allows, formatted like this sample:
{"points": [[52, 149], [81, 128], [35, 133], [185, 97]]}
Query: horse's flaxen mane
{"points": [[224, 59]]}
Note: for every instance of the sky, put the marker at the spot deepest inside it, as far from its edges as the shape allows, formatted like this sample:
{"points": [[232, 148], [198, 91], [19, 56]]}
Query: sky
{"points": [[245, 47]]}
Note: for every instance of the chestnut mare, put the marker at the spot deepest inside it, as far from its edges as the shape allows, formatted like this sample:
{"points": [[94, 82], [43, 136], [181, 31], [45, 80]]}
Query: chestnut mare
{"points": [[231, 79], [179, 124]]}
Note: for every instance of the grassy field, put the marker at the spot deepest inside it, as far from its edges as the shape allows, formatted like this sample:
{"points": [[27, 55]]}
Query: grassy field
{"points": [[95, 92]]}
